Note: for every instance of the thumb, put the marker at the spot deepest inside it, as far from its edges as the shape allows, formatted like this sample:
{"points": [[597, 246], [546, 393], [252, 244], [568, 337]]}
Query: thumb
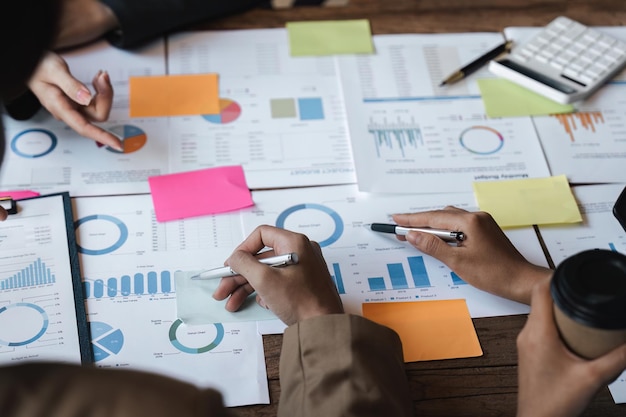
{"points": [[608, 367], [429, 244]]}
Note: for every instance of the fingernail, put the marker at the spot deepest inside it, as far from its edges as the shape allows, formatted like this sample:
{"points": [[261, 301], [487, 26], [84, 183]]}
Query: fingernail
{"points": [[83, 96]]}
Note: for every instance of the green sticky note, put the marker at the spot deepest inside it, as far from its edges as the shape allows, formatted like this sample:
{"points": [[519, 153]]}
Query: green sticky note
{"points": [[503, 98], [330, 37], [517, 203]]}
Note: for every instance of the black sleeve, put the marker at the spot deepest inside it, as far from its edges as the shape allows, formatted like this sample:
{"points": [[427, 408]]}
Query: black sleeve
{"points": [[143, 20]]}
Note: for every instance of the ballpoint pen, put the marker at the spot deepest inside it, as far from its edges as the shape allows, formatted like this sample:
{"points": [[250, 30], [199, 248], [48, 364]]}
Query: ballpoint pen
{"points": [[226, 271], [477, 63], [447, 235]]}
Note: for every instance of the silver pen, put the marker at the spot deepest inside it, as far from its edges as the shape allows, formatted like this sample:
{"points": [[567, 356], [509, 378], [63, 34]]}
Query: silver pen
{"points": [[447, 235], [226, 271]]}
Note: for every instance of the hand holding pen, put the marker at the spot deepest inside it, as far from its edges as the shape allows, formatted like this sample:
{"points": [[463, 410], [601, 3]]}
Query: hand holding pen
{"points": [[293, 292], [485, 257]]}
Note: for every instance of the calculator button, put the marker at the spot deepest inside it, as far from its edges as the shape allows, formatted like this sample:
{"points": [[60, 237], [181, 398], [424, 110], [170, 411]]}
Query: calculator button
{"points": [[556, 64], [606, 42], [585, 78]]}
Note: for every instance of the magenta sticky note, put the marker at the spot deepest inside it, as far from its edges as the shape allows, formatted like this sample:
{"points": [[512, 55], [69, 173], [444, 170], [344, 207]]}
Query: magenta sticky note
{"points": [[199, 193], [19, 194]]}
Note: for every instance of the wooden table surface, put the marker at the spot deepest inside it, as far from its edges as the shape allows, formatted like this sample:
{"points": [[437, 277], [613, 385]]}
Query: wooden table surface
{"points": [[484, 386]]}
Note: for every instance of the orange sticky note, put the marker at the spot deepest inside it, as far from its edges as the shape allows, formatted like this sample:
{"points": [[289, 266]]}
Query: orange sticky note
{"points": [[174, 95], [429, 330]]}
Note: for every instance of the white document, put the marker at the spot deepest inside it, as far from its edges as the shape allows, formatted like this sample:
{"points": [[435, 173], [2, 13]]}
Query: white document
{"points": [[410, 136], [282, 118], [374, 267], [128, 262], [38, 302], [45, 155], [588, 146], [600, 230]]}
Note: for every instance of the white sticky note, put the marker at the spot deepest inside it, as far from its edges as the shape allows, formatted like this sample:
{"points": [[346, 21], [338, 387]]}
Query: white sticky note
{"points": [[195, 303]]}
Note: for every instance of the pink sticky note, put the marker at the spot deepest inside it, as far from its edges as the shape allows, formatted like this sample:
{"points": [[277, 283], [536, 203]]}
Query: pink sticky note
{"points": [[199, 193], [19, 194]]}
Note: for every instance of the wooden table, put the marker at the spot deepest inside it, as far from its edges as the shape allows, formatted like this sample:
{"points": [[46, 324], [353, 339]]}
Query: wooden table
{"points": [[484, 386]]}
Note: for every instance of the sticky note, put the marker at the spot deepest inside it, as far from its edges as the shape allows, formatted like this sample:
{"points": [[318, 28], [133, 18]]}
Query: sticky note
{"points": [[330, 37], [195, 303], [503, 98], [526, 202], [429, 330], [19, 194], [174, 95], [199, 193]]}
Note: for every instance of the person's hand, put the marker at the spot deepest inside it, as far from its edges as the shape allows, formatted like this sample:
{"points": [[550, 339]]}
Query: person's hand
{"points": [[83, 21], [294, 292], [70, 101], [553, 381], [486, 258]]}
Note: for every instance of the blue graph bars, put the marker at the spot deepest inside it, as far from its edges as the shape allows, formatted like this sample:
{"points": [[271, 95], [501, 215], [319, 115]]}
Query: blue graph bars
{"points": [[398, 278], [457, 280], [404, 134], [376, 283], [36, 273], [338, 279], [139, 283], [418, 271]]}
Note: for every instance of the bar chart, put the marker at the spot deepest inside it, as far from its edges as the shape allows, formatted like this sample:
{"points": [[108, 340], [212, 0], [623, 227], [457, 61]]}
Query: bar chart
{"points": [[150, 283], [398, 277], [37, 273], [396, 138]]}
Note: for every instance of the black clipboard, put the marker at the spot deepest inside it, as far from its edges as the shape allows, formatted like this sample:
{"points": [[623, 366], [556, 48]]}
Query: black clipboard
{"points": [[21, 282]]}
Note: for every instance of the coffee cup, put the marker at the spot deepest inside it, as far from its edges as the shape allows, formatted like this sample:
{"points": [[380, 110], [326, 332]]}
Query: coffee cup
{"points": [[589, 293]]}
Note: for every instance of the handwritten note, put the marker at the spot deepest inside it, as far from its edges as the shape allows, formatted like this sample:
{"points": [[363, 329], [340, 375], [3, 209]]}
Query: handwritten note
{"points": [[517, 203], [174, 95], [330, 37], [199, 193], [503, 98], [429, 330]]}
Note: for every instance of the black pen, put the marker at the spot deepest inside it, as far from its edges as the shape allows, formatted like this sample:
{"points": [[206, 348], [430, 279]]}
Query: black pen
{"points": [[477, 63], [447, 235]]}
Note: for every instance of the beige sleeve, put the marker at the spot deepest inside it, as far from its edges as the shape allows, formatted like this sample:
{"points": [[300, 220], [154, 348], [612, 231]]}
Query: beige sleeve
{"points": [[56, 390], [342, 365]]}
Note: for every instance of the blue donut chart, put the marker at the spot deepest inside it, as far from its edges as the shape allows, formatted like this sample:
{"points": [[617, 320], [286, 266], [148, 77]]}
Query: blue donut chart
{"points": [[40, 333], [193, 351], [117, 222], [280, 221], [25, 133]]}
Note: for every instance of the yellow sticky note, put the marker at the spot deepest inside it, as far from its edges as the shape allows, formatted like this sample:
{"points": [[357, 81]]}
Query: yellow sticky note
{"points": [[429, 330], [530, 201], [503, 98], [330, 37], [174, 95]]}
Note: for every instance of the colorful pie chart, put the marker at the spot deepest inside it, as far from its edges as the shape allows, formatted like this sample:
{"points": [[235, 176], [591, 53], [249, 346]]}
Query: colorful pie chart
{"points": [[229, 112], [132, 137]]}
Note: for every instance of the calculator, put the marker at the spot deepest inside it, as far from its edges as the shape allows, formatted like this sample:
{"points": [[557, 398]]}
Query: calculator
{"points": [[566, 61]]}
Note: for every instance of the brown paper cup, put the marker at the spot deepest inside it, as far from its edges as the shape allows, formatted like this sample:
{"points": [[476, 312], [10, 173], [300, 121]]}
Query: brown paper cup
{"points": [[589, 293]]}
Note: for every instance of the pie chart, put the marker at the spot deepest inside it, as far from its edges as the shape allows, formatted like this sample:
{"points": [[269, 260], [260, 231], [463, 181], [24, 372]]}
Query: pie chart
{"points": [[132, 137], [229, 112]]}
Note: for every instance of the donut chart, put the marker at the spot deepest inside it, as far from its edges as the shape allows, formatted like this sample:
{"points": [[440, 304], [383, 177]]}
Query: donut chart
{"points": [[229, 112], [174, 339], [108, 240], [132, 137], [33, 324], [338, 223], [33, 143], [481, 140]]}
